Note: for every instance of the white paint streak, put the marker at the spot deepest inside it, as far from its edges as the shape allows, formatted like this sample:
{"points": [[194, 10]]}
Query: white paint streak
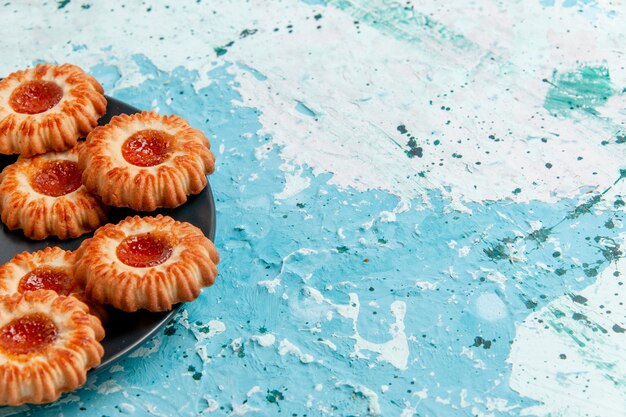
{"points": [[395, 351], [254, 390], [294, 184], [242, 409], [144, 351], [215, 327], [264, 340], [274, 283], [408, 411], [116, 368], [539, 370], [108, 387], [328, 343], [126, 408], [492, 84], [286, 347], [212, 405]]}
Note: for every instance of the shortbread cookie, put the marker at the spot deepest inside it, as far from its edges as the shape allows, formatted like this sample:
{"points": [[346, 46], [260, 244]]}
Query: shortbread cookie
{"points": [[44, 196], [145, 161], [150, 263], [48, 108], [48, 269], [47, 344]]}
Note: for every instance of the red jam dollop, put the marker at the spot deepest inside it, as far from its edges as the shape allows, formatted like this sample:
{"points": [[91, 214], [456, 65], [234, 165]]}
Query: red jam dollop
{"points": [[37, 96], [57, 178], [147, 148], [27, 334], [46, 278], [144, 251]]}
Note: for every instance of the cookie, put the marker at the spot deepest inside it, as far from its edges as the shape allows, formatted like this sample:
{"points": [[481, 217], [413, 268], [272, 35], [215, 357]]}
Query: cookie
{"points": [[49, 269], [48, 108], [44, 196], [145, 161], [47, 344], [147, 263]]}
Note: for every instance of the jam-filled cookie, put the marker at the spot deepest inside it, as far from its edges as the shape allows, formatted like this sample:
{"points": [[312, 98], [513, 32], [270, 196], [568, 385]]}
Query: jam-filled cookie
{"points": [[48, 108], [47, 344], [150, 263], [44, 196], [145, 161], [49, 269]]}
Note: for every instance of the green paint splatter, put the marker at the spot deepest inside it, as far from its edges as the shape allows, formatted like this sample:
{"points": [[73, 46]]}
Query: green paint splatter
{"points": [[540, 235], [204, 329], [560, 328], [479, 341], [585, 207], [497, 252], [246, 32], [195, 375], [578, 299], [528, 302], [414, 150], [610, 249], [221, 50], [342, 249], [62, 3], [274, 396], [583, 89], [591, 272], [403, 23]]}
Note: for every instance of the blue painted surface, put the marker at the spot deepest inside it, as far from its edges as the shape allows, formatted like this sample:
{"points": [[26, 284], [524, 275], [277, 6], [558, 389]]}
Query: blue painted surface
{"points": [[379, 264]]}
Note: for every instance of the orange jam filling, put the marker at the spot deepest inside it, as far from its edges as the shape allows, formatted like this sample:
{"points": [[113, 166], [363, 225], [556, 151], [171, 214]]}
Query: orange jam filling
{"points": [[147, 148], [144, 251], [32, 97], [57, 178], [46, 278], [27, 334]]}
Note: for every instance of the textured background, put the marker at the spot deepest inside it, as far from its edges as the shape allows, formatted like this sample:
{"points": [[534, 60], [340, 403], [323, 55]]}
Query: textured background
{"points": [[420, 206]]}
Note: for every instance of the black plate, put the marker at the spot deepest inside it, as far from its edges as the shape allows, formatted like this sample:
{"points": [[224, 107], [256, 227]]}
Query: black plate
{"points": [[124, 331]]}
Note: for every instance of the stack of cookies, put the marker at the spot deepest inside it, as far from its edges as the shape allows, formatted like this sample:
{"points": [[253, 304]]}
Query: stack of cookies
{"points": [[51, 301]]}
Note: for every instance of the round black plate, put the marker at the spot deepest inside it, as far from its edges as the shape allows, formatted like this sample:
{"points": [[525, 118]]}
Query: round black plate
{"points": [[124, 331]]}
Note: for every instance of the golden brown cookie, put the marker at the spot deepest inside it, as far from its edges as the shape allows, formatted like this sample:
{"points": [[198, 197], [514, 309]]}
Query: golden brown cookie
{"points": [[47, 344], [48, 108], [149, 262], [48, 269], [145, 161], [44, 196]]}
